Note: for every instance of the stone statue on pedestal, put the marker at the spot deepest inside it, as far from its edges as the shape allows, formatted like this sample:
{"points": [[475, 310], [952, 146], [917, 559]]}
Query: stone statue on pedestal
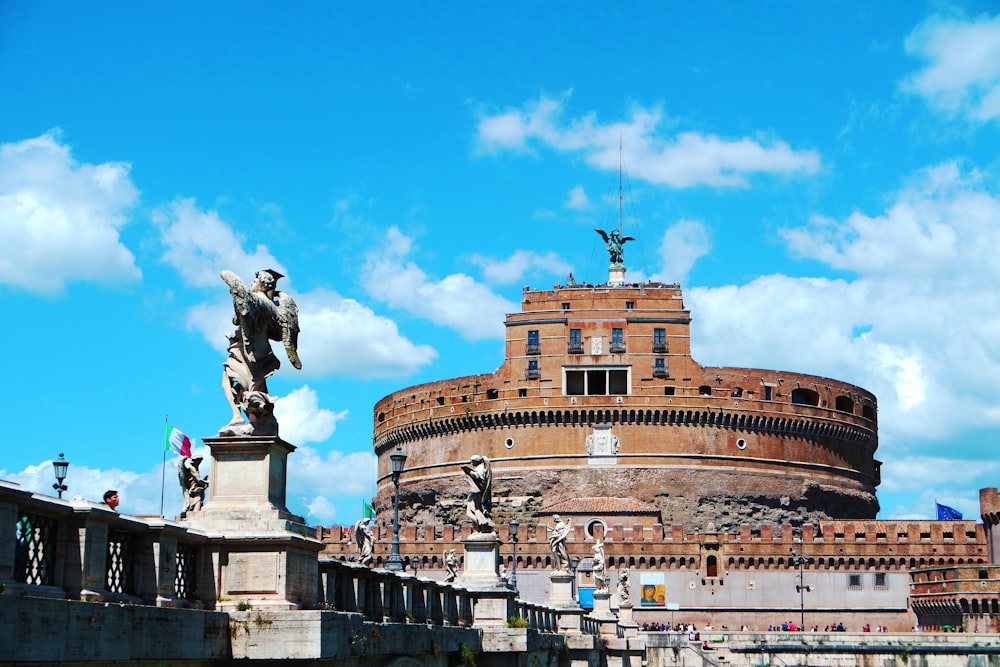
{"points": [[624, 592], [364, 541], [192, 484], [451, 564], [262, 314], [600, 567], [557, 542], [479, 504]]}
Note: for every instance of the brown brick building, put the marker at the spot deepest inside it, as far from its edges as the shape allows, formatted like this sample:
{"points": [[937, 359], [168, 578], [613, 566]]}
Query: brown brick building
{"points": [[705, 480]]}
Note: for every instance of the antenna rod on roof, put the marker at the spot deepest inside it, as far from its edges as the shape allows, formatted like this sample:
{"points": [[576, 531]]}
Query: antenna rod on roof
{"points": [[621, 158]]}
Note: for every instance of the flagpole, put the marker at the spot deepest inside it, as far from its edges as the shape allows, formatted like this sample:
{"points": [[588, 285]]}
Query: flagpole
{"points": [[163, 468]]}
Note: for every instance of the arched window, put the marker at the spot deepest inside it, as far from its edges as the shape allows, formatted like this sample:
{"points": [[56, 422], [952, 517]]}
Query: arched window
{"points": [[711, 566], [803, 396], [844, 404]]}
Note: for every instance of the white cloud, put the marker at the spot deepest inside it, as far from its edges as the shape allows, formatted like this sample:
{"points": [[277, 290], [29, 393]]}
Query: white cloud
{"points": [[684, 242], [577, 199], [456, 301], [522, 263], [302, 420], [199, 245], [963, 71], [316, 479], [139, 491], [683, 160], [919, 324], [60, 220], [339, 337]]}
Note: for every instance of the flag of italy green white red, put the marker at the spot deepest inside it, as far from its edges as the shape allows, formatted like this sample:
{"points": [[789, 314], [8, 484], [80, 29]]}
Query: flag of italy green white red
{"points": [[177, 442]]}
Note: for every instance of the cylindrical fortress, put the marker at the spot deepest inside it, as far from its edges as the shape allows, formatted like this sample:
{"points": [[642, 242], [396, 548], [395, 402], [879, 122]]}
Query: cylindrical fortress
{"points": [[598, 396]]}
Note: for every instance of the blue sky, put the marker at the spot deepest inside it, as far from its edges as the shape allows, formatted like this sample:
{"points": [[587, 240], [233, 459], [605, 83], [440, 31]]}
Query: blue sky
{"points": [[823, 179]]}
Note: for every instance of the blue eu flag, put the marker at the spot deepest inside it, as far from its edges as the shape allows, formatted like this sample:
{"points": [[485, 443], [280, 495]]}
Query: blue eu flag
{"points": [[946, 513]]}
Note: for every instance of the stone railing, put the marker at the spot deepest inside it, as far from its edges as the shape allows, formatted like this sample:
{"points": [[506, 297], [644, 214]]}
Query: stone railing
{"points": [[538, 617], [86, 551], [384, 596]]}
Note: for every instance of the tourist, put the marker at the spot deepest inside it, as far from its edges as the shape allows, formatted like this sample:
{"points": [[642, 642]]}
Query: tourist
{"points": [[111, 499]]}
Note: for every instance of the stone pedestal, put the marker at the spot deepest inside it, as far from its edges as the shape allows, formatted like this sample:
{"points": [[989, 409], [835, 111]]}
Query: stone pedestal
{"points": [[616, 274], [268, 557], [494, 600], [561, 590], [602, 614], [626, 621]]}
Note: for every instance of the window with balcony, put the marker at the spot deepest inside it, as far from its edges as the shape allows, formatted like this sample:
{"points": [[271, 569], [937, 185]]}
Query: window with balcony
{"points": [[659, 367], [575, 345], [659, 340], [589, 381], [533, 346], [617, 340], [533, 373]]}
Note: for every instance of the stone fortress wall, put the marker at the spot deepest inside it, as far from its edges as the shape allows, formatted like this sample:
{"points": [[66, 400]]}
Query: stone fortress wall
{"points": [[728, 445]]}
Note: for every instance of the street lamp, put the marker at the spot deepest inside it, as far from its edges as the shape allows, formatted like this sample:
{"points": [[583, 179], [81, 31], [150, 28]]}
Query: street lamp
{"points": [[512, 533], [60, 467], [798, 559], [574, 563], [395, 561]]}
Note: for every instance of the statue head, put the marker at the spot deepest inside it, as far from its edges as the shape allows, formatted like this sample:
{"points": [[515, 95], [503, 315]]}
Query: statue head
{"points": [[265, 281]]}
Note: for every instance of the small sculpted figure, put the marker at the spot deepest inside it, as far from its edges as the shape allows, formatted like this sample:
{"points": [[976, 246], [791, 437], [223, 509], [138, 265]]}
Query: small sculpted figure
{"points": [[451, 564], [261, 314], [364, 541], [557, 542], [191, 482], [624, 592], [600, 567], [615, 243], [479, 504]]}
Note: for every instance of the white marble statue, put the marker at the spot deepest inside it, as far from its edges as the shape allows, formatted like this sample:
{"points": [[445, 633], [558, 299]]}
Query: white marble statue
{"points": [[451, 564], [624, 590], [364, 541], [479, 504], [600, 567], [557, 542], [192, 484], [262, 314]]}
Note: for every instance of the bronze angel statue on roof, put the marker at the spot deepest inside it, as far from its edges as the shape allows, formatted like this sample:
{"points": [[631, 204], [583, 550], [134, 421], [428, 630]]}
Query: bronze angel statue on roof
{"points": [[615, 243], [261, 314]]}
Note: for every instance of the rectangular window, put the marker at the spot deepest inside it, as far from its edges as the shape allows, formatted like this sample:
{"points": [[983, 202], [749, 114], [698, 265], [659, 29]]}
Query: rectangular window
{"points": [[565, 305], [630, 305], [617, 340], [574, 337], [596, 381], [767, 393], [984, 574], [532, 364], [854, 582], [533, 373], [669, 391], [881, 581], [659, 367], [659, 340], [533, 347]]}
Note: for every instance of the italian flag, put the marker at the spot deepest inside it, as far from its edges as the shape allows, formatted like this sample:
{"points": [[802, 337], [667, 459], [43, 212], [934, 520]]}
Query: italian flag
{"points": [[177, 442]]}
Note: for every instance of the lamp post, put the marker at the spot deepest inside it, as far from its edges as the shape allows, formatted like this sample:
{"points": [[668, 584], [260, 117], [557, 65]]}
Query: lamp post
{"points": [[574, 563], [798, 559], [60, 467], [512, 533], [395, 561]]}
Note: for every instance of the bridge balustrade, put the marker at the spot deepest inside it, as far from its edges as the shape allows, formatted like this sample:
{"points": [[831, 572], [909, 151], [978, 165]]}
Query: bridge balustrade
{"points": [[81, 550]]}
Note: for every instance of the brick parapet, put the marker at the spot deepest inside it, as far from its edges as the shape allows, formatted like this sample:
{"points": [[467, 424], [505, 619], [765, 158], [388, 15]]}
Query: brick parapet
{"points": [[836, 545]]}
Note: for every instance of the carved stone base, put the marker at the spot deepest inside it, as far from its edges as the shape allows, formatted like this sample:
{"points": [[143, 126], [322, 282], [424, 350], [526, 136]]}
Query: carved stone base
{"points": [[561, 590], [480, 570], [626, 621], [616, 274]]}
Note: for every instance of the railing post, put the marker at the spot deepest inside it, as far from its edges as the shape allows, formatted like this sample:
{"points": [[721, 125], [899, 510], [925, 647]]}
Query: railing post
{"points": [[92, 541], [8, 540]]}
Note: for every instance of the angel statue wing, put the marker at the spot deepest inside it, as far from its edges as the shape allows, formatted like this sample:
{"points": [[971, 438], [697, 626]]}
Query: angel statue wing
{"points": [[359, 533], [288, 320], [604, 234]]}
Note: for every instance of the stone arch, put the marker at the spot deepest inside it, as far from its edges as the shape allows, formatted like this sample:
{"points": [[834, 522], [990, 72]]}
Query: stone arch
{"points": [[405, 661]]}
